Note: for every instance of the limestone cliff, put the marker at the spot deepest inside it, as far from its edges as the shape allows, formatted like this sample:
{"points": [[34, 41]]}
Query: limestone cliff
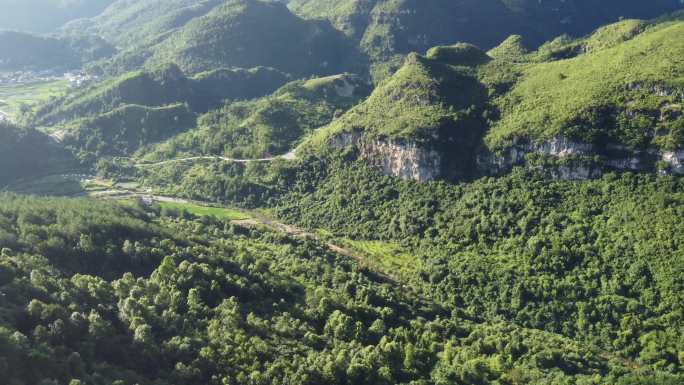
{"points": [[407, 160]]}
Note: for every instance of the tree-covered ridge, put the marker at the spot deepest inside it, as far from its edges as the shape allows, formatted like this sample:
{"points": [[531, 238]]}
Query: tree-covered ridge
{"points": [[237, 33], [27, 153], [267, 126], [22, 51], [387, 27], [161, 86], [620, 86], [118, 116], [124, 130], [226, 304], [136, 23]]}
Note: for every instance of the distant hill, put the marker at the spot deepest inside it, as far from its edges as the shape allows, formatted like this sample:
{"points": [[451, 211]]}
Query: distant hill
{"points": [[200, 36], [385, 28], [120, 115], [25, 51], [134, 23], [162, 86], [42, 16]]}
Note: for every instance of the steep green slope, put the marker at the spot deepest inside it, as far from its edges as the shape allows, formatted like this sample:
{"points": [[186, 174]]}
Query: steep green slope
{"points": [[615, 94], [270, 125], [43, 16], [243, 33], [623, 84], [388, 27], [600, 261], [26, 153], [24, 51], [134, 23], [119, 115], [125, 129], [103, 293], [162, 86]]}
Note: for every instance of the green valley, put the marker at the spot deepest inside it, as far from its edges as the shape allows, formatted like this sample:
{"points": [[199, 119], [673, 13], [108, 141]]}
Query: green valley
{"points": [[353, 192]]}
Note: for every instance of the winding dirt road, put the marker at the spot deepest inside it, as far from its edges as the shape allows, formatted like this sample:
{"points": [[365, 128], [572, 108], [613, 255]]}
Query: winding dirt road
{"points": [[289, 156]]}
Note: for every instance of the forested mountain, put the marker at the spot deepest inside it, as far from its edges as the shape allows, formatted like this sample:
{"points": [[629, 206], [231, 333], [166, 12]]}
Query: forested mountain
{"points": [[610, 100], [24, 51], [234, 33], [120, 294], [317, 192], [267, 126], [387, 27], [43, 16], [118, 116]]}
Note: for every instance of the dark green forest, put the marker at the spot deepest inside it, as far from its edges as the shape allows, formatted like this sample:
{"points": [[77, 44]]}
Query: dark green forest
{"points": [[106, 293], [342, 192]]}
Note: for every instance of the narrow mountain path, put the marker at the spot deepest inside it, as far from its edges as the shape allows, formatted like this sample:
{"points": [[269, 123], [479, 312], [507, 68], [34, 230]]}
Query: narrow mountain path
{"points": [[289, 156]]}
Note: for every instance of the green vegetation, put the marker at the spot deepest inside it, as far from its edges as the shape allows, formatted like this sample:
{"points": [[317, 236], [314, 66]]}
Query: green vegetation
{"points": [[235, 33], [162, 86], [194, 209], [618, 91], [461, 54], [103, 293], [27, 153], [124, 130], [137, 23], [387, 257], [386, 28], [24, 51], [267, 126], [597, 262], [118, 116], [415, 103], [622, 85]]}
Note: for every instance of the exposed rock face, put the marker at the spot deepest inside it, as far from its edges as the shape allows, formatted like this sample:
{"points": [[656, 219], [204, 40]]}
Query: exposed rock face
{"points": [[675, 159], [559, 147], [414, 161], [404, 159], [658, 90]]}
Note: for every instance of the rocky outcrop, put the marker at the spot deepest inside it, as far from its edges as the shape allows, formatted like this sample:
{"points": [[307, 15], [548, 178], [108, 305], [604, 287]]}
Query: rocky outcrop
{"points": [[570, 160], [674, 160], [559, 147], [407, 160], [613, 157], [658, 90]]}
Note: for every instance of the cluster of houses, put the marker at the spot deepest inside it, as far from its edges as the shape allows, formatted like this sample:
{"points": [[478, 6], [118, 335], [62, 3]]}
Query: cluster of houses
{"points": [[76, 79]]}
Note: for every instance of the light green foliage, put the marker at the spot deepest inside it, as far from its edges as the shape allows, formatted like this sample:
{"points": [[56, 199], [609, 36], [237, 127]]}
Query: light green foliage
{"points": [[587, 95], [218, 212], [413, 104], [461, 54], [267, 126], [203, 299]]}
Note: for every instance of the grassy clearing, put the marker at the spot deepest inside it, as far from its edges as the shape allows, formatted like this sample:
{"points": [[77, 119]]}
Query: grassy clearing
{"points": [[13, 96], [218, 212], [390, 257]]}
